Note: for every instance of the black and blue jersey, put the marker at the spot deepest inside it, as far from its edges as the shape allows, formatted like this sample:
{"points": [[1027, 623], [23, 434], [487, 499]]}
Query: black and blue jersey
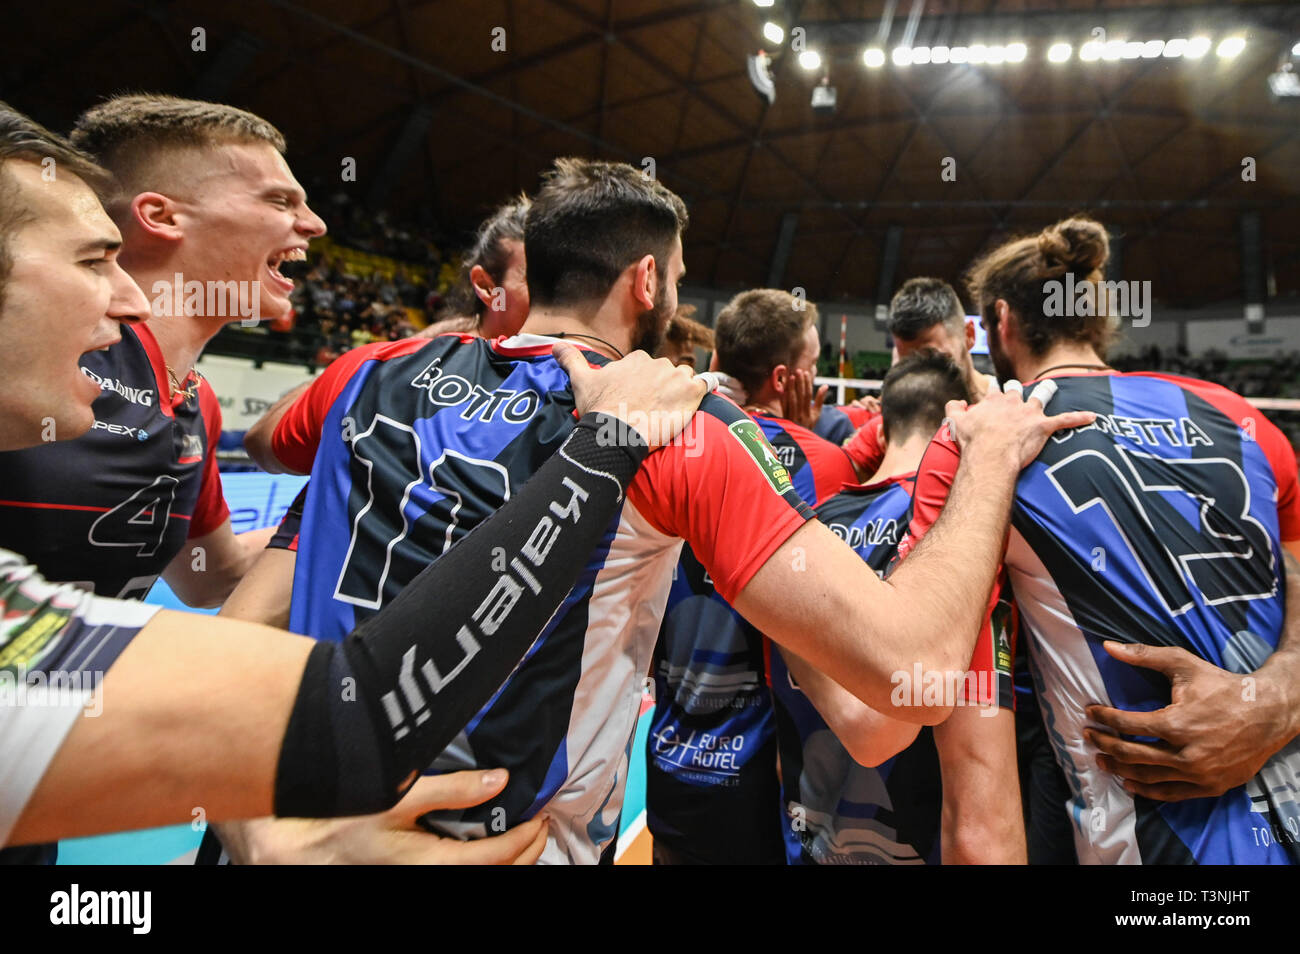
{"points": [[412, 444], [1160, 523], [712, 792]]}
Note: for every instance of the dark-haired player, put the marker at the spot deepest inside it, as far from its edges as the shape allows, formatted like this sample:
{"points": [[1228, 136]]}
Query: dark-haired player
{"points": [[925, 313], [412, 444], [259, 704], [1162, 526], [684, 336], [493, 285], [859, 787], [712, 792]]}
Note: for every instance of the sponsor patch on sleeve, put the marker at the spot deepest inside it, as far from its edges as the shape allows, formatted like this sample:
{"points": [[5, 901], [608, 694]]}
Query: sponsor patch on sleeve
{"points": [[750, 436]]}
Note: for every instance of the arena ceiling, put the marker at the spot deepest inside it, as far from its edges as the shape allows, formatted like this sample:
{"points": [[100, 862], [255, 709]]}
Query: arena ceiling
{"points": [[441, 123]]}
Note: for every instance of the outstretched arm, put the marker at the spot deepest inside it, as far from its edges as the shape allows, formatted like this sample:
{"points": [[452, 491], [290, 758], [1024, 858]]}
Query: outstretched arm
{"points": [[239, 720]]}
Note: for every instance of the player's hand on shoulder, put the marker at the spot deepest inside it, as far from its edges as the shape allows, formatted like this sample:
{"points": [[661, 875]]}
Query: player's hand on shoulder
{"points": [[1009, 423], [652, 395], [395, 837]]}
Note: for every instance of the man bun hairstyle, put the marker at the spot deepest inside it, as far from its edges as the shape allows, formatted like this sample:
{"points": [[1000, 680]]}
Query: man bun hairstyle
{"points": [[489, 250], [588, 222], [1019, 272]]}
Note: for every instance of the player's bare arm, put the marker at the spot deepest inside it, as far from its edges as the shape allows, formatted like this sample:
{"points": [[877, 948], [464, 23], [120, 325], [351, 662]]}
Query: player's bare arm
{"points": [[1219, 728], [982, 819], [869, 736], [814, 594], [391, 837], [209, 567], [257, 440]]}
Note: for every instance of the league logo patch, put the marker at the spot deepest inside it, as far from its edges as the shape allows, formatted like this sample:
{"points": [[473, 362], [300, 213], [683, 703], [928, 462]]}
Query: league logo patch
{"points": [[751, 438]]}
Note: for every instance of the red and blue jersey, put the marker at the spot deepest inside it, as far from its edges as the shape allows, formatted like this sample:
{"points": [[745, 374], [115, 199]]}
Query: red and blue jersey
{"points": [[109, 510], [412, 444], [841, 812], [1160, 523], [712, 793]]}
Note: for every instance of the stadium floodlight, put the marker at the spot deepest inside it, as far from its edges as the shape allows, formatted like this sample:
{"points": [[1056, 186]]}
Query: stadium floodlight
{"points": [[1284, 85], [901, 55], [959, 54], [979, 53], [939, 54], [823, 99], [773, 32], [1132, 50], [1197, 47], [1059, 52], [1090, 51], [1112, 50], [1229, 47], [873, 57], [764, 3], [1016, 52], [921, 55], [1295, 50], [810, 59], [759, 69], [997, 54], [1152, 48], [1176, 47]]}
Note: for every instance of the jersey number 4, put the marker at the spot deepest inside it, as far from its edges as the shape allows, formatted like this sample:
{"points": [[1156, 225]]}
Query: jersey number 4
{"points": [[1186, 523], [138, 522]]}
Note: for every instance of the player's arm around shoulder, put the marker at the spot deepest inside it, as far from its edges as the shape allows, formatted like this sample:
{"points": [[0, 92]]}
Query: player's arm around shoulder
{"points": [[816, 596]]}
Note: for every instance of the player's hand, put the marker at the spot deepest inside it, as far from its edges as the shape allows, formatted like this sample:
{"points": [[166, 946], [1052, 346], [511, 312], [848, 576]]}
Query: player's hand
{"points": [[1217, 731], [1009, 424], [652, 395], [394, 837], [869, 403], [797, 401]]}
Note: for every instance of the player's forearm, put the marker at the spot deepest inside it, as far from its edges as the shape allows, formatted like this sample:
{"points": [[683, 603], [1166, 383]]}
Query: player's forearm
{"points": [[1278, 680], [257, 439], [983, 822], [870, 737], [245, 841], [208, 569], [941, 590], [218, 715]]}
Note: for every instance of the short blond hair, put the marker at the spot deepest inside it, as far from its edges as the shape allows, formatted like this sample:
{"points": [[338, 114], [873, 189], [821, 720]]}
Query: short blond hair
{"points": [[132, 135]]}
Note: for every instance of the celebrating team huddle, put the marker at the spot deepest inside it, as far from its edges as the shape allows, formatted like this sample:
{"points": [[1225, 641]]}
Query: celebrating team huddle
{"points": [[975, 621]]}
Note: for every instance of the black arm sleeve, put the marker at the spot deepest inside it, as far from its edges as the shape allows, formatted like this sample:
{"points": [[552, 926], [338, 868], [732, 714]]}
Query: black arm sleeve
{"points": [[372, 713]]}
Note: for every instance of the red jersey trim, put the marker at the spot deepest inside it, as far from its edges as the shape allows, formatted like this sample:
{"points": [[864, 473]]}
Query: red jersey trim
{"points": [[297, 435], [159, 364]]}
